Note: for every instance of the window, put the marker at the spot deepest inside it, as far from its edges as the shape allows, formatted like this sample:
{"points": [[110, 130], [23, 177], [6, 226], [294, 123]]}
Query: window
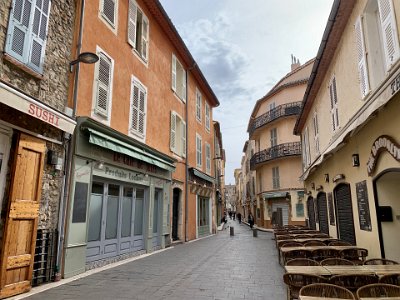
{"points": [[137, 124], [208, 158], [316, 132], [103, 85], [198, 105], [275, 178], [108, 12], [178, 78], [138, 30], [198, 151], [334, 104], [27, 32], [306, 148], [208, 116], [178, 135], [274, 137]]}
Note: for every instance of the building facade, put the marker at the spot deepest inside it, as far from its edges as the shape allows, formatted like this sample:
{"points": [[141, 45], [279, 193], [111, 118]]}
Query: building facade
{"points": [[219, 162], [142, 174], [351, 169], [277, 155], [249, 184], [35, 38]]}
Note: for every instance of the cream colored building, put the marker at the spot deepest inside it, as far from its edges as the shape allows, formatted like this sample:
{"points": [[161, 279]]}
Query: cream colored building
{"points": [[277, 153], [249, 182], [349, 126], [240, 201]]}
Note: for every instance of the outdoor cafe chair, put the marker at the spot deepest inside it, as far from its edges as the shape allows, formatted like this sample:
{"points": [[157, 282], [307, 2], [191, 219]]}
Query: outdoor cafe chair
{"points": [[336, 261], [353, 282], [390, 279], [283, 237], [292, 254], [321, 254], [326, 290], [304, 236], [378, 290], [284, 242], [302, 262], [356, 255], [339, 243], [314, 243], [380, 261], [295, 281]]}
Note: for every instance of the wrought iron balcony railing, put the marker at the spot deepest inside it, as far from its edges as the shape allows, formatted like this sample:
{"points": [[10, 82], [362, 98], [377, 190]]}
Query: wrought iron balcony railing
{"points": [[288, 109], [278, 151]]}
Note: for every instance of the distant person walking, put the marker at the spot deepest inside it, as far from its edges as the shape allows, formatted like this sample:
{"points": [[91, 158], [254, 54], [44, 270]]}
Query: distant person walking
{"points": [[239, 217], [250, 220]]}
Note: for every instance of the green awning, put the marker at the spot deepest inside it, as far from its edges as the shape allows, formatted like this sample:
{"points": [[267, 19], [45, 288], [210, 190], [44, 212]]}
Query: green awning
{"points": [[272, 195], [203, 176], [108, 142]]}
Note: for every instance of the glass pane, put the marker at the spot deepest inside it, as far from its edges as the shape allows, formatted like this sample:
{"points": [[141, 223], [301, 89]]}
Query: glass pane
{"points": [[96, 205], [139, 213], [97, 188], [113, 190], [126, 212], [139, 193], [112, 217], [155, 212]]}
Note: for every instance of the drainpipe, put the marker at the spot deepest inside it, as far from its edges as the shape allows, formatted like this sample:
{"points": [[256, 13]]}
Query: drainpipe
{"points": [[68, 163]]}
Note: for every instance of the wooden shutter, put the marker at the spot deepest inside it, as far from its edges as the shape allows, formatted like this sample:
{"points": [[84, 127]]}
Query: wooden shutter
{"points": [[334, 109], [103, 85], [344, 214], [362, 59], [389, 32], [109, 11], [322, 213], [183, 124], [183, 84], [22, 217], [208, 158], [132, 23], [18, 38], [145, 37], [135, 107], [311, 213], [172, 142], [142, 111], [174, 73], [207, 119]]}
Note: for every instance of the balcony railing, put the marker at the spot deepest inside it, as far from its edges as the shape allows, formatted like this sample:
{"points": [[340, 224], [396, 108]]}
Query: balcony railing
{"points": [[288, 109], [278, 151]]}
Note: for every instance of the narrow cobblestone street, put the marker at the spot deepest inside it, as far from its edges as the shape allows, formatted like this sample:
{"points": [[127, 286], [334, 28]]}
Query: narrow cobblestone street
{"points": [[217, 267]]}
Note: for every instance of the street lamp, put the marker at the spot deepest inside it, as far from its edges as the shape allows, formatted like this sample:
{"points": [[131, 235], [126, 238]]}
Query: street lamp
{"points": [[84, 57]]}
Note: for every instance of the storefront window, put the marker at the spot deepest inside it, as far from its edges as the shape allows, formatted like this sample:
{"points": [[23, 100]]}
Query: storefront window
{"points": [[139, 212], [155, 211], [126, 212], [95, 212], [112, 212]]}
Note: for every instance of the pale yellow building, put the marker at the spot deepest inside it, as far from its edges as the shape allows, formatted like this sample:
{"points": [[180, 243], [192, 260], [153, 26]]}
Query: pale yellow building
{"points": [[277, 151], [349, 126]]}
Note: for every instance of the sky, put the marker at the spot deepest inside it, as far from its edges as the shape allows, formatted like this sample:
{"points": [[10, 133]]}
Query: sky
{"points": [[243, 49]]}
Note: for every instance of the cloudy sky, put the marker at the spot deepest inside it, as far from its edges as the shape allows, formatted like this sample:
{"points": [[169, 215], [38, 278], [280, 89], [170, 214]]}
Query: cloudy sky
{"points": [[243, 48]]}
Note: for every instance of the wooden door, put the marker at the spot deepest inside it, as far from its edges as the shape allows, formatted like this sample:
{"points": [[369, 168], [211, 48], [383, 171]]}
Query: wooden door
{"points": [[322, 213], [22, 217]]}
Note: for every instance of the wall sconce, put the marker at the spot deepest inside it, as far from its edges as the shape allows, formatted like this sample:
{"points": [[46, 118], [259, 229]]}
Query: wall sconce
{"points": [[320, 188], [84, 57], [99, 165], [313, 185], [326, 177], [356, 160]]}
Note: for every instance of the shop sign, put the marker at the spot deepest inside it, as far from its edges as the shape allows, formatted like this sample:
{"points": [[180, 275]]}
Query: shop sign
{"points": [[132, 162], [382, 143], [121, 175]]}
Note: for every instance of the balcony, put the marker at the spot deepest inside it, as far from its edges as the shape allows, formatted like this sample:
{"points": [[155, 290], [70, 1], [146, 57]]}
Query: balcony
{"points": [[284, 110], [278, 151]]}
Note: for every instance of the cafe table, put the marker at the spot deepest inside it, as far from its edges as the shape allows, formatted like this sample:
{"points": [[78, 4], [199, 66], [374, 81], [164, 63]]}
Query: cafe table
{"points": [[314, 270], [323, 298], [381, 270], [348, 269]]}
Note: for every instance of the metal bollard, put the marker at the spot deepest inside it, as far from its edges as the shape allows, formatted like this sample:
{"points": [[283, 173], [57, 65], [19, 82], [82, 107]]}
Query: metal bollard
{"points": [[255, 232], [232, 231]]}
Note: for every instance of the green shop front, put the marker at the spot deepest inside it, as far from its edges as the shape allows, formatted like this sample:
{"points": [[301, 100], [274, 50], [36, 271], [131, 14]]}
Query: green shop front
{"points": [[119, 198]]}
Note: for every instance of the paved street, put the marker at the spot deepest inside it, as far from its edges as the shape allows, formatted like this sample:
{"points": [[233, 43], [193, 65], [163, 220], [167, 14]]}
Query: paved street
{"points": [[217, 267]]}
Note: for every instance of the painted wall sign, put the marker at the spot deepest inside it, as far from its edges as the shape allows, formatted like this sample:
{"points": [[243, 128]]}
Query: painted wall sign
{"points": [[132, 162], [382, 143], [363, 206]]}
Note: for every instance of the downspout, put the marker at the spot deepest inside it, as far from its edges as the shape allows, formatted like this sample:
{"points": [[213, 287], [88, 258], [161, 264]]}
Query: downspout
{"points": [[68, 156]]}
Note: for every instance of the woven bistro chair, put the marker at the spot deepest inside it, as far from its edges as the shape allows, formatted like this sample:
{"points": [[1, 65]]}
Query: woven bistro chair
{"points": [[379, 290], [283, 237], [336, 261], [295, 281], [326, 290], [320, 235], [292, 254], [304, 236], [353, 282], [380, 261], [339, 243], [321, 254], [356, 255], [390, 279], [314, 243], [302, 262], [287, 243]]}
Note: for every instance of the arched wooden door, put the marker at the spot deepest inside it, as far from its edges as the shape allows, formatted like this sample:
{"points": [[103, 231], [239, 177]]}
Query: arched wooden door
{"points": [[311, 213], [322, 212], [344, 213]]}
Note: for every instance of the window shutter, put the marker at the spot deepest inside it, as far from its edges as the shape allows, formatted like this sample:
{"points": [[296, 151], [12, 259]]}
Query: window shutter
{"points": [[174, 73], [39, 34], [103, 85], [183, 138], [18, 39], [389, 32], [208, 158], [109, 11], [145, 37], [184, 85], [135, 107], [141, 110], [362, 59], [132, 23], [173, 132], [207, 117]]}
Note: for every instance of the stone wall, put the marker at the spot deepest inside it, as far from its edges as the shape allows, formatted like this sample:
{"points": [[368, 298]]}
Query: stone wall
{"points": [[52, 87]]}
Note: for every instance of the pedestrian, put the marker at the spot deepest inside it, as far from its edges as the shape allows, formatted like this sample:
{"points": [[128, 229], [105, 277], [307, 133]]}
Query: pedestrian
{"points": [[234, 215], [223, 221], [239, 217], [250, 220]]}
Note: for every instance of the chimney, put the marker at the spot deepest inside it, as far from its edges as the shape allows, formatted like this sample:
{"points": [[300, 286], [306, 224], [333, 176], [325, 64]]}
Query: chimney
{"points": [[295, 63]]}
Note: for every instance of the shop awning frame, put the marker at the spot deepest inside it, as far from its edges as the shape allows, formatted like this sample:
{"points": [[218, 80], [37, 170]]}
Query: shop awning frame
{"points": [[203, 176]]}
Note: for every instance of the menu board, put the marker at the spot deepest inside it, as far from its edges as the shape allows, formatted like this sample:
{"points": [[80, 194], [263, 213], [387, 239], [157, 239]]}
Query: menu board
{"points": [[331, 211], [363, 206]]}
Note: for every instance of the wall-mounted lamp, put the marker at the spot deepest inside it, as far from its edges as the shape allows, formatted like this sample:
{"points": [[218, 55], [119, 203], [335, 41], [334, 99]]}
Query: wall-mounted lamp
{"points": [[320, 188], [218, 157], [355, 160], [99, 165], [313, 185], [84, 57], [326, 177]]}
